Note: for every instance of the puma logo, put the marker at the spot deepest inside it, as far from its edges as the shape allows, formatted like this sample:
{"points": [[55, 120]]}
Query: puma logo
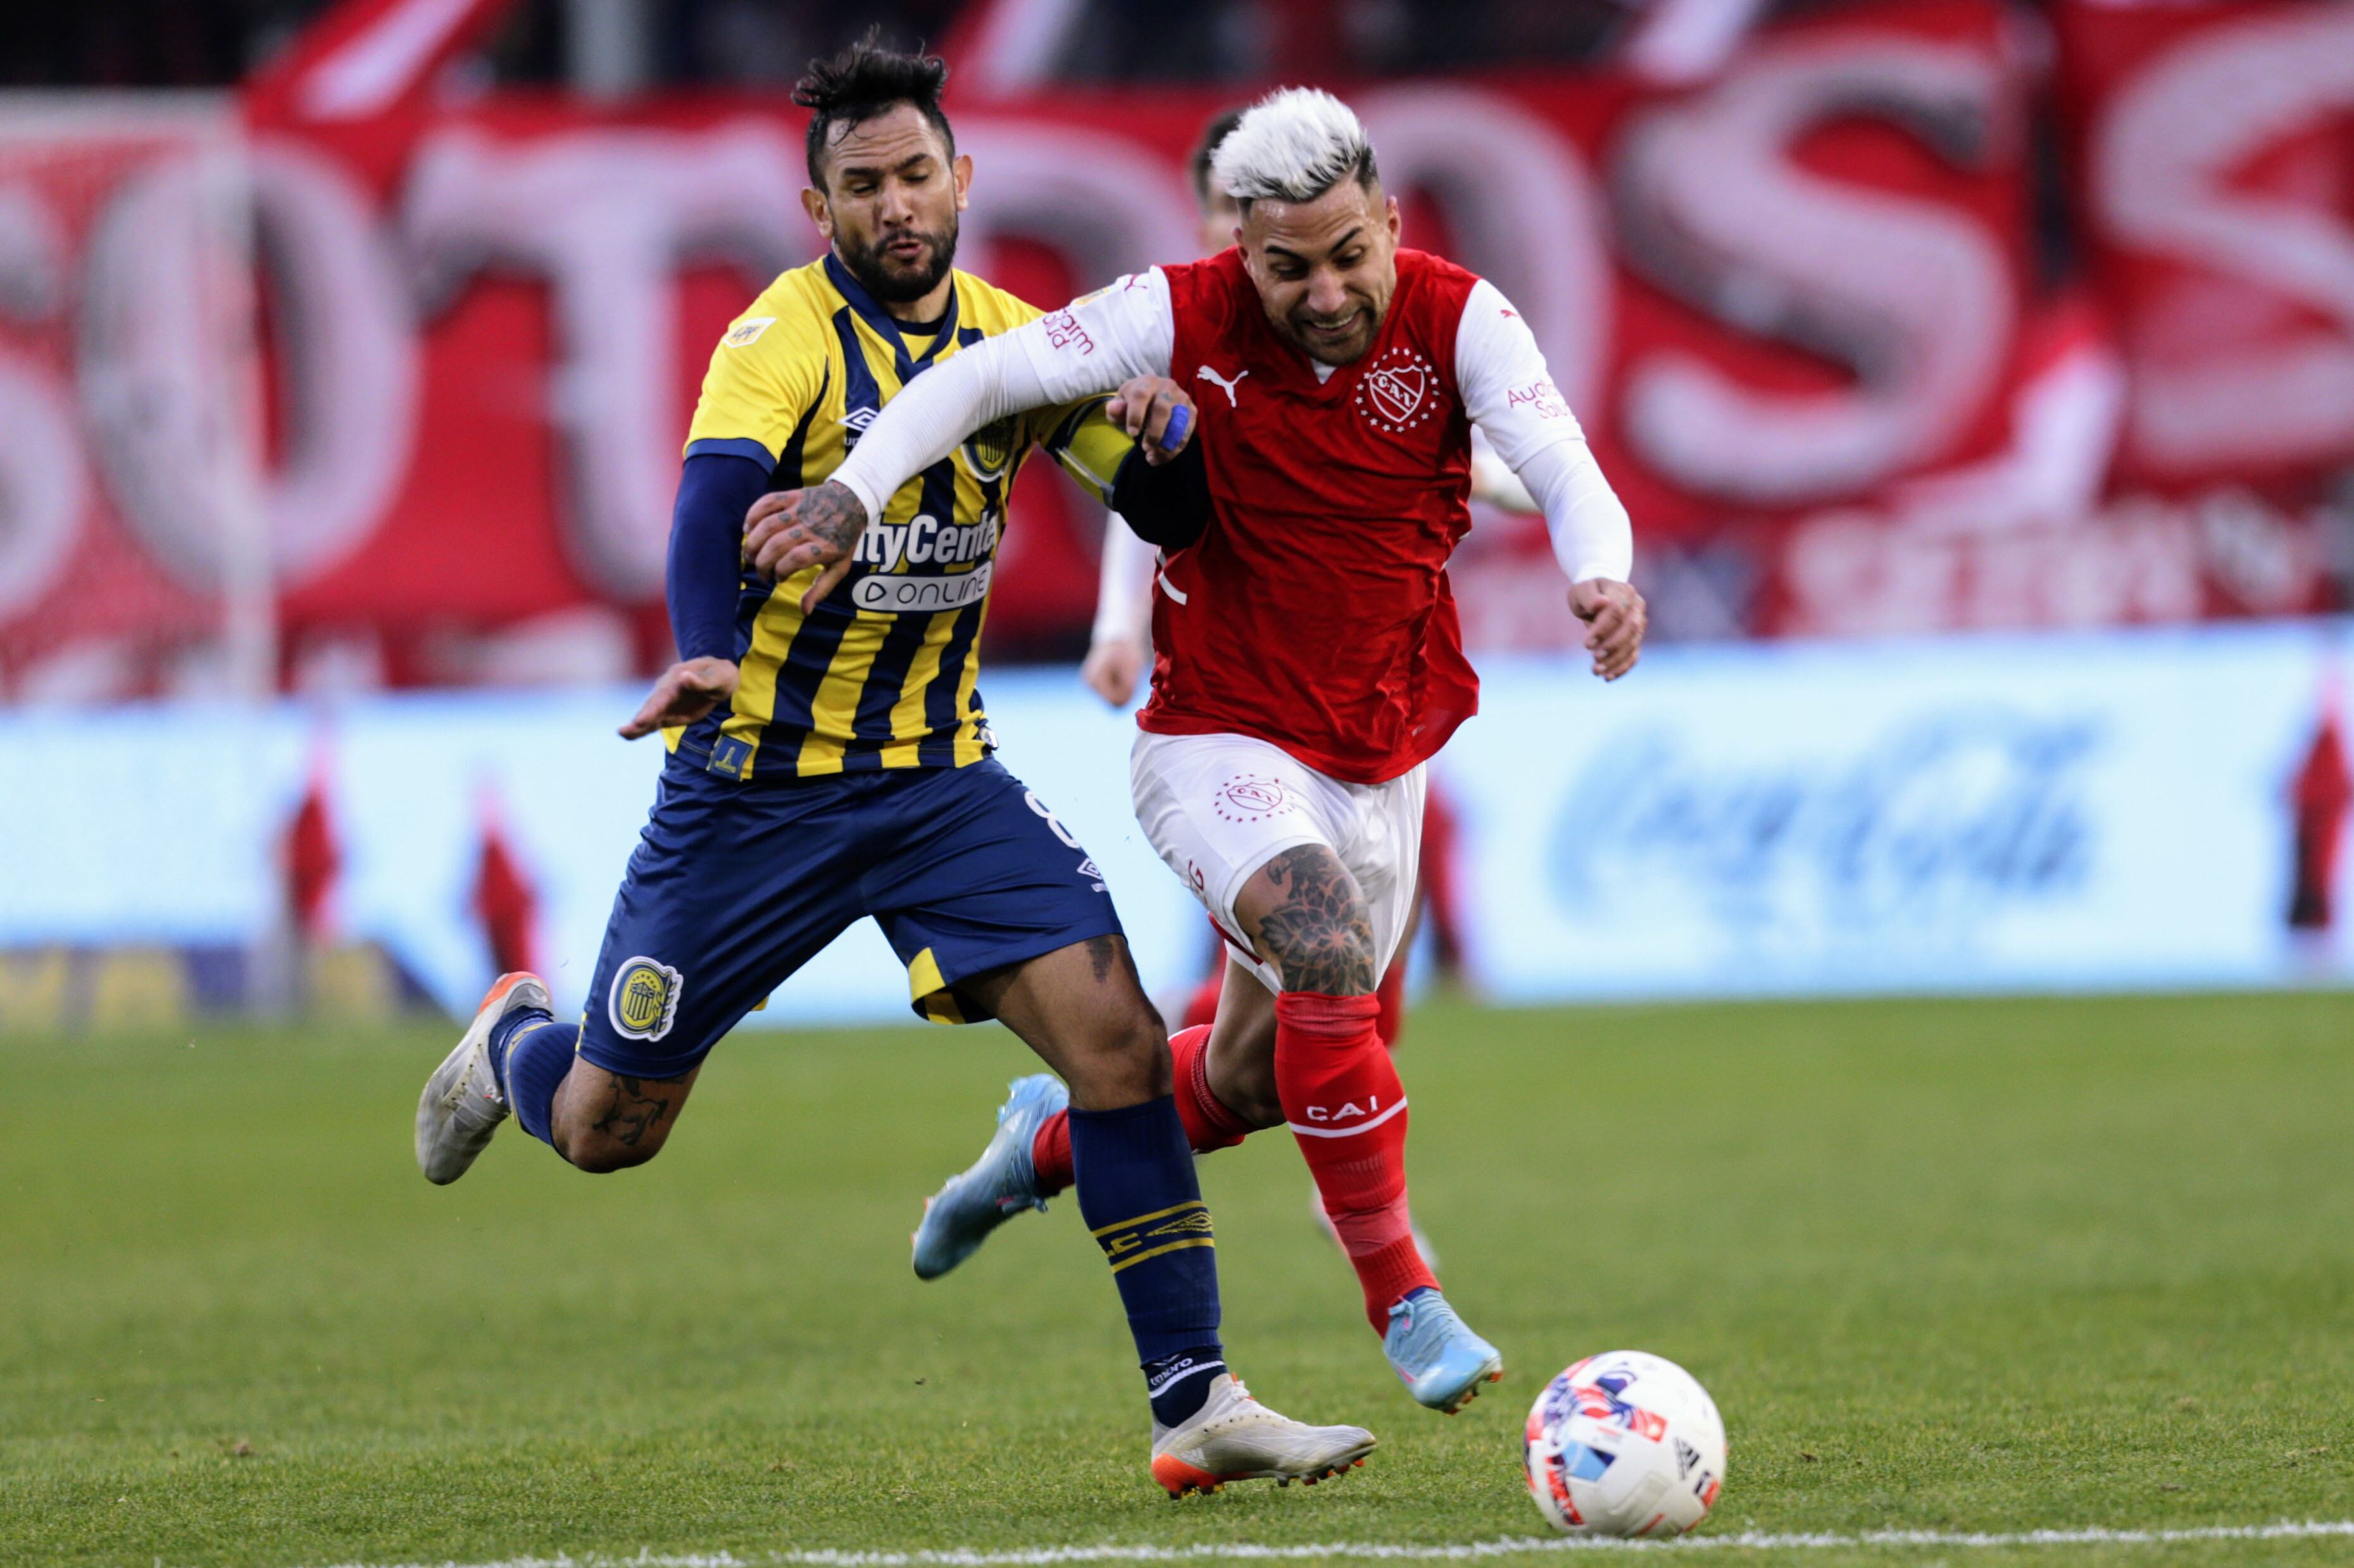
{"points": [[1205, 374]]}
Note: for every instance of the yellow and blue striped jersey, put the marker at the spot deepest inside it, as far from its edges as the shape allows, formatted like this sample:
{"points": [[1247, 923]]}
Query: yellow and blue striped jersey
{"points": [[882, 672]]}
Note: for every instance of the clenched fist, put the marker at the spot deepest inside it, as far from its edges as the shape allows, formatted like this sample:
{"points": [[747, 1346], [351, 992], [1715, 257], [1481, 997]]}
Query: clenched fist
{"points": [[1157, 412], [1112, 667]]}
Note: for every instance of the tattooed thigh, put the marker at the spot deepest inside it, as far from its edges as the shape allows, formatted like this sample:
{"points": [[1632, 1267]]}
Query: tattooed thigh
{"points": [[1312, 922]]}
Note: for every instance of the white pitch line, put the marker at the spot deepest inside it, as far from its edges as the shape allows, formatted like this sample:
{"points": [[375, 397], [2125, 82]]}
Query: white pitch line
{"points": [[1754, 1540]]}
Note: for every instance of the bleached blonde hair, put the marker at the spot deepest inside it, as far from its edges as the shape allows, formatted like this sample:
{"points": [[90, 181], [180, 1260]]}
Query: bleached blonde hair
{"points": [[1294, 145]]}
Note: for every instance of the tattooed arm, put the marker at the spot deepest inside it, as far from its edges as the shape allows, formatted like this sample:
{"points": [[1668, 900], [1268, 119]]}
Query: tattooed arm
{"points": [[793, 530], [1092, 346]]}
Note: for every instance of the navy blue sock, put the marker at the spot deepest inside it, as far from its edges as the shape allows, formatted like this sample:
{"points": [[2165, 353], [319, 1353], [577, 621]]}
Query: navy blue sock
{"points": [[1177, 1384], [530, 1053], [1138, 1192]]}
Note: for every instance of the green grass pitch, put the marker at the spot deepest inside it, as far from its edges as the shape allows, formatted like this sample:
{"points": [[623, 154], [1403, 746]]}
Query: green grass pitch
{"points": [[1946, 1265]]}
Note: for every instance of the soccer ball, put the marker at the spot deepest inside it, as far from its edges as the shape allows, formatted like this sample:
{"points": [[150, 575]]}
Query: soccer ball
{"points": [[1625, 1444]]}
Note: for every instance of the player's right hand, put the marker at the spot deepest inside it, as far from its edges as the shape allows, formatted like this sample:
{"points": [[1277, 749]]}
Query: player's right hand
{"points": [[1158, 412], [1111, 668], [1615, 618], [788, 531], [684, 693]]}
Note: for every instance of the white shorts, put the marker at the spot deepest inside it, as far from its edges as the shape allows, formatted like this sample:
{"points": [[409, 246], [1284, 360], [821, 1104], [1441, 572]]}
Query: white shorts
{"points": [[1218, 806]]}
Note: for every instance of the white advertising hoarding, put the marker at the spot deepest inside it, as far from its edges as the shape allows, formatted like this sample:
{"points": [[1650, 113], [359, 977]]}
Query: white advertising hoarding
{"points": [[2103, 812]]}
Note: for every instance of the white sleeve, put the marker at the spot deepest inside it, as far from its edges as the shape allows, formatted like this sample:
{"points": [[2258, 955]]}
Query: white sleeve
{"points": [[931, 414], [1099, 340], [1494, 483], [1591, 535], [1124, 592], [1511, 397], [1090, 346]]}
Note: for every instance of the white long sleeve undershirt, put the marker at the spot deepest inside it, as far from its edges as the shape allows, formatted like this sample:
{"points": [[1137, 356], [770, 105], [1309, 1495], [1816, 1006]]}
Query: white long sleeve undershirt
{"points": [[923, 424], [1129, 329], [1510, 395], [1124, 584]]}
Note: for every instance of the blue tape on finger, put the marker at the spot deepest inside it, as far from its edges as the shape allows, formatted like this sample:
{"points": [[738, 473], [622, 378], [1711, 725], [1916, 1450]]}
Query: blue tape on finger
{"points": [[1180, 421]]}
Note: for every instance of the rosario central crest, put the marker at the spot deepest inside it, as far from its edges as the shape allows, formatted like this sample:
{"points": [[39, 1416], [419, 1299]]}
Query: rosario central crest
{"points": [[1396, 392]]}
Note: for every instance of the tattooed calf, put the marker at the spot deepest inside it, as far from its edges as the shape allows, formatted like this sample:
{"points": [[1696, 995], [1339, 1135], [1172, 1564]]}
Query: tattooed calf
{"points": [[630, 1113]]}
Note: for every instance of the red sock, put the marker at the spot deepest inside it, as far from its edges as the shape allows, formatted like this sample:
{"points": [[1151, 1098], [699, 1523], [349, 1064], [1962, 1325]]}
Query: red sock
{"points": [[1050, 1154], [1209, 1125], [1349, 1112], [1391, 1022]]}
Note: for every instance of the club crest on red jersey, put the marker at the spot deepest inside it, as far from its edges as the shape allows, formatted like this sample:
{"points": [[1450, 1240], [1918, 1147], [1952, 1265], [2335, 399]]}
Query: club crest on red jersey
{"points": [[1398, 390]]}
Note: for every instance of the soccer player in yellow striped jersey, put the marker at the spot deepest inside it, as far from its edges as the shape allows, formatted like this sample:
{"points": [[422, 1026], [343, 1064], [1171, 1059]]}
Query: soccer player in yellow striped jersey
{"points": [[880, 672], [830, 761]]}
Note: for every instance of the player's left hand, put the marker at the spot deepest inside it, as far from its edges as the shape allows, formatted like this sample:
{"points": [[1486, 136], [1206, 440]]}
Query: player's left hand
{"points": [[788, 531], [687, 691], [1615, 620], [1158, 412], [1111, 668]]}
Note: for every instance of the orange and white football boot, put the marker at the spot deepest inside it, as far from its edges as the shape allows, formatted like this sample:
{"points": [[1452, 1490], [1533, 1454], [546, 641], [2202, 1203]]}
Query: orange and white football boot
{"points": [[461, 1106], [1234, 1437]]}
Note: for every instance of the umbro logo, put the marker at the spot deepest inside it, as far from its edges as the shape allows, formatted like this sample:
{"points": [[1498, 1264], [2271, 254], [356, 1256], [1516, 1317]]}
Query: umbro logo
{"points": [[859, 418], [1195, 1223]]}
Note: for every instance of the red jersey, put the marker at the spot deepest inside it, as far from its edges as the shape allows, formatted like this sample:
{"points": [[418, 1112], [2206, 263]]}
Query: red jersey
{"points": [[1314, 612]]}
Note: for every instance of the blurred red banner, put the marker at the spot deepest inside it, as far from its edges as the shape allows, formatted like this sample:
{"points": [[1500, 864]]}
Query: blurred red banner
{"points": [[1795, 306]]}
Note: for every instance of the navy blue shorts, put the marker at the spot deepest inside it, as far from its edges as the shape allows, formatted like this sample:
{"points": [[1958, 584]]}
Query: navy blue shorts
{"points": [[735, 886]]}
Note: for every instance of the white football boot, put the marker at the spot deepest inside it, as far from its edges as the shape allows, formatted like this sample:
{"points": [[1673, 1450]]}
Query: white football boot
{"points": [[1234, 1437], [461, 1106]]}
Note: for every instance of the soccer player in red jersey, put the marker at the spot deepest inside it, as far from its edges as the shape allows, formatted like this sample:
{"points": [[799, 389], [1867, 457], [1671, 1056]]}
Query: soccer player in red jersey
{"points": [[1308, 661], [1120, 649]]}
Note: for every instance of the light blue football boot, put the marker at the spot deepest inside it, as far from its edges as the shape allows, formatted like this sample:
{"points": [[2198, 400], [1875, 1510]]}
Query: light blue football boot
{"points": [[1435, 1353], [999, 1185]]}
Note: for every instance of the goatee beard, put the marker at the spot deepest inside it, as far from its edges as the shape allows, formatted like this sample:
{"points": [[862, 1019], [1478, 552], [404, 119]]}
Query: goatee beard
{"points": [[900, 287]]}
